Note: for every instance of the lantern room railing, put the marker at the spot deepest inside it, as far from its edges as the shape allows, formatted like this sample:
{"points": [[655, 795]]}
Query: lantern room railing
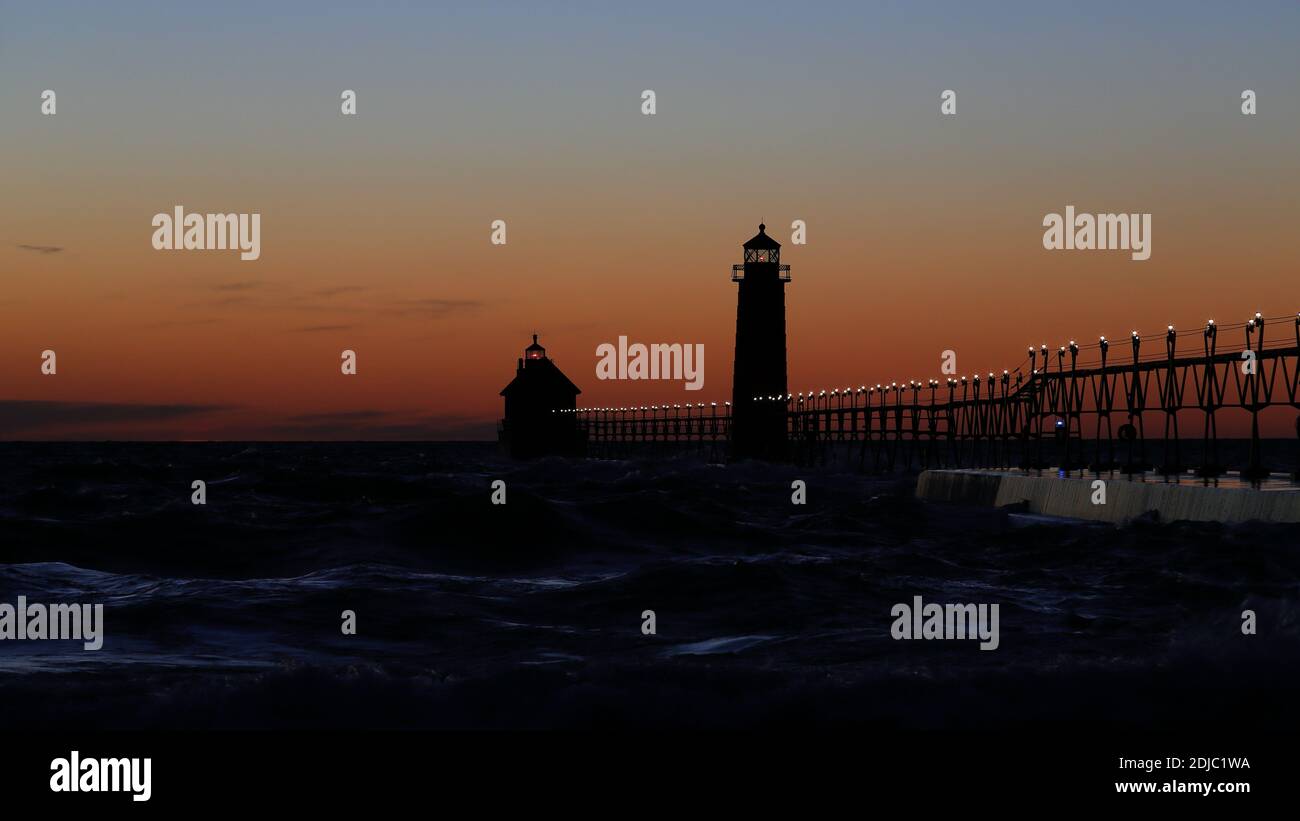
{"points": [[738, 273]]}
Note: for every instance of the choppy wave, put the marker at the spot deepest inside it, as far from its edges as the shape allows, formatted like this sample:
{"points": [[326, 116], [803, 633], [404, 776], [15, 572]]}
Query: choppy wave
{"points": [[529, 614]]}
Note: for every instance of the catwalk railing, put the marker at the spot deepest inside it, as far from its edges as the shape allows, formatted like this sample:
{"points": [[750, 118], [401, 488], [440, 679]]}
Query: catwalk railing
{"points": [[1107, 412], [611, 432]]}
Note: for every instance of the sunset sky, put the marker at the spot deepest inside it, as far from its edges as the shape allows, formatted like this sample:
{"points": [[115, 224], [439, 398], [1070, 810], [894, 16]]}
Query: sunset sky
{"points": [[924, 231]]}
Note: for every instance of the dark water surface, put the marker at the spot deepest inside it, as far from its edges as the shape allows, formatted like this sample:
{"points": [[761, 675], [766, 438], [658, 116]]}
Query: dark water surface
{"points": [[529, 614]]}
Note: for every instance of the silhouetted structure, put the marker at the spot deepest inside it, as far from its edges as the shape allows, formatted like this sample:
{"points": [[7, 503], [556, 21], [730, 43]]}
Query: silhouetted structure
{"points": [[1032, 418], [758, 423], [1053, 411], [539, 416]]}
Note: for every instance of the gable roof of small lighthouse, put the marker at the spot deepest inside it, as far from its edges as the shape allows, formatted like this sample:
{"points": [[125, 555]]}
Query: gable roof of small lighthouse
{"points": [[538, 374]]}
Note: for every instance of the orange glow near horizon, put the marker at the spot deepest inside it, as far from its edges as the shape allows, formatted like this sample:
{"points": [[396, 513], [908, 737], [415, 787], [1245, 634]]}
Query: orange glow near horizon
{"points": [[433, 352], [924, 233]]}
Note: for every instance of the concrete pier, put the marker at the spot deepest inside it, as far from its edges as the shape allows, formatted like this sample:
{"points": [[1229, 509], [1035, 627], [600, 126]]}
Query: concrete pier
{"points": [[1053, 495]]}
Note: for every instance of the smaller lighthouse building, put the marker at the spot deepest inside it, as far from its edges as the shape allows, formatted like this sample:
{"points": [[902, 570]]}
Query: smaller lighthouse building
{"points": [[539, 400]]}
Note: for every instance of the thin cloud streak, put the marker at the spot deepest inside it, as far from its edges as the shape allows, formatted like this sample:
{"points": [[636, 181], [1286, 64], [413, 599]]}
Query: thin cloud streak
{"points": [[312, 329], [17, 415], [437, 308]]}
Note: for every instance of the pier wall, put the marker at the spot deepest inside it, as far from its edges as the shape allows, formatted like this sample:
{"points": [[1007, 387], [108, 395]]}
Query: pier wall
{"points": [[1126, 499]]}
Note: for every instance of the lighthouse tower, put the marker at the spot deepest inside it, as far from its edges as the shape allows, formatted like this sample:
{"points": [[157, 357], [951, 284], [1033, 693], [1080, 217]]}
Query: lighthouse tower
{"points": [[758, 426]]}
